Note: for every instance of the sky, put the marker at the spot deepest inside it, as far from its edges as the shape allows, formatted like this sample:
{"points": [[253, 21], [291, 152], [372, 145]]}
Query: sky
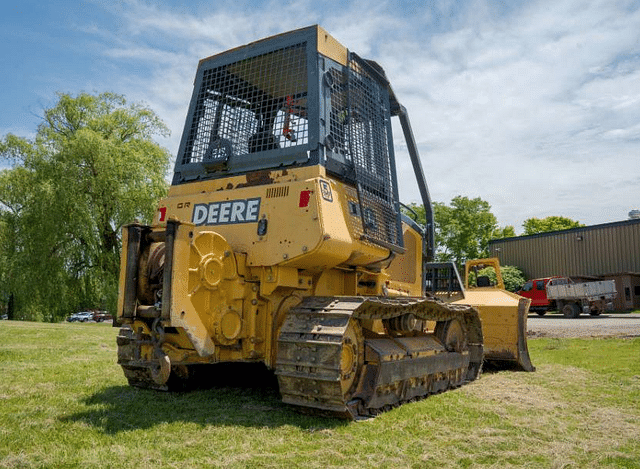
{"points": [[533, 106]]}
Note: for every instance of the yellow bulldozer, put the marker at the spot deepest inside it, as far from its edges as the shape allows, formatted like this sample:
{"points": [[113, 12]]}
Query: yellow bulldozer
{"points": [[282, 242], [503, 315]]}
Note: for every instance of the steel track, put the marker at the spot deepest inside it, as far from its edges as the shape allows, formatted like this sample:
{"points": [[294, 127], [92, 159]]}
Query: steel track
{"points": [[310, 365]]}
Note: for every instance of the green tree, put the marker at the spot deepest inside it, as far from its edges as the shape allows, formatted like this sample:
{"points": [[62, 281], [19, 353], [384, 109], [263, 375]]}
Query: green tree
{"points": [[462, 229], [4, 293], [552, 223], [91, 168], [507, 232], [512, 276]]}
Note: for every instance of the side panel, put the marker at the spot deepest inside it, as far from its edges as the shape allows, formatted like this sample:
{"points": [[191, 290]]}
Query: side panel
{"points": [[405, 270], [582, 290]]}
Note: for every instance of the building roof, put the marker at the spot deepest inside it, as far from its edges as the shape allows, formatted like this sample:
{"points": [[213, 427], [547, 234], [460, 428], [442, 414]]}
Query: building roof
{"points": [[581, 229]]}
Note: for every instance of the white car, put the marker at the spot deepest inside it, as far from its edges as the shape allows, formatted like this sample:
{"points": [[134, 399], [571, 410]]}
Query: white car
{"points": [[83, 316]]}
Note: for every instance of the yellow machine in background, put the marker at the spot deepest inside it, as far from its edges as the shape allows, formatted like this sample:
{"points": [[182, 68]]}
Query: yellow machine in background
{"points": [[503, 315], [281, 240]]}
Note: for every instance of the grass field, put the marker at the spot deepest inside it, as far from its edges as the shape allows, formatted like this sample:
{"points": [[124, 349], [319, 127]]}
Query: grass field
{"points": [[64, 403]]}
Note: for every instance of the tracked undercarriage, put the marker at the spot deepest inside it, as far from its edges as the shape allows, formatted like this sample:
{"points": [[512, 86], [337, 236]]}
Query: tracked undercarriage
{"points": [[329, 360]]}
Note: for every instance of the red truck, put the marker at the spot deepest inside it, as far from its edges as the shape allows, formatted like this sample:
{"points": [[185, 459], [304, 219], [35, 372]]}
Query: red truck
{"points": [[536, 290], [569, 298]]}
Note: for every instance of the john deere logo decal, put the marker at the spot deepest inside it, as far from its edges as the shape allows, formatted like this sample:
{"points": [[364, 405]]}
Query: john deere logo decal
{"points": [[227, 212]]}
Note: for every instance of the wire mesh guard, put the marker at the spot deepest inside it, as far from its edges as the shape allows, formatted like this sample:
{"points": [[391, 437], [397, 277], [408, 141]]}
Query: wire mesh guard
{"points": [[442, 277], [250, 106], [337, 81], [368, 149]]}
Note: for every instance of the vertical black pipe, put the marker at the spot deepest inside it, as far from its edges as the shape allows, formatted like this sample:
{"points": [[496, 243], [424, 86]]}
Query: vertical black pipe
{"points": [[401, 112], [134, 236]]}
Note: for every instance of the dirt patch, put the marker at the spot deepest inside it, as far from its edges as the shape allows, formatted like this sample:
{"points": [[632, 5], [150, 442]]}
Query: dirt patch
{"points": [[509, 389]]}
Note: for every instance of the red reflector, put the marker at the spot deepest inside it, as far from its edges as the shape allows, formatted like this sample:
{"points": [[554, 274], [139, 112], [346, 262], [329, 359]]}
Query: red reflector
{"points": [[304, 198]]}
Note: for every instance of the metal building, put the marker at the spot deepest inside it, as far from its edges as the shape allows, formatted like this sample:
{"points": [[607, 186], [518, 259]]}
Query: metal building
{"points": [[610, 251]]}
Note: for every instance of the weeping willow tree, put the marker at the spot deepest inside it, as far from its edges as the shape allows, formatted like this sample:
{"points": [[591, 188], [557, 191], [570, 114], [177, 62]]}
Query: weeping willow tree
{"points": [[91, 168]]}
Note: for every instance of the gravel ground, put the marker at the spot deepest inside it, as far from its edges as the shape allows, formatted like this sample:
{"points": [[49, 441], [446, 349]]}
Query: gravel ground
{"points": [[605, 325]]}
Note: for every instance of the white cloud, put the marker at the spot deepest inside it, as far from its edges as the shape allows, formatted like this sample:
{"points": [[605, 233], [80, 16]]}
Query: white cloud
{"points": [[512, 109]]}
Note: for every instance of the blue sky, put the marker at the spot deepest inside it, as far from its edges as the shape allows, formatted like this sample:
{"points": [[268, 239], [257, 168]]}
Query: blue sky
{"points": [[533, 106]]}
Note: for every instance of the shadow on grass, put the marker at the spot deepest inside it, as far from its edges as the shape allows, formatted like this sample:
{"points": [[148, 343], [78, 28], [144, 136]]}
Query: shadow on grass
{"points": [[238, 395]]}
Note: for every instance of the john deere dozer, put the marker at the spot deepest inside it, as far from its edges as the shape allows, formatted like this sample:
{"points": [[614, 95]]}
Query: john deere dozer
{"points": [[282, 242]]}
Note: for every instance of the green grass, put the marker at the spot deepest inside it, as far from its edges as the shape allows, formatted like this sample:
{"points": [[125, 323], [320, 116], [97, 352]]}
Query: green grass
{"points": [[64, 403]]}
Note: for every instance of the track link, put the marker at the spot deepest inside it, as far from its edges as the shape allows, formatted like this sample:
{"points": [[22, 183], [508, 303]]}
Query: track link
{"points": [[329, 364]]}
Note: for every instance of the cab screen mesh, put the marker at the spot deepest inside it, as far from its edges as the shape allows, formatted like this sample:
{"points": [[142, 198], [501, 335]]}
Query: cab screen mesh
{"points": [[250, 106], [368, 146]]}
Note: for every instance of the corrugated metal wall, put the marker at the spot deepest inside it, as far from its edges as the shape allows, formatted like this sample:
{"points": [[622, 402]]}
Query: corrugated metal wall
{"points": [[594, 250]]}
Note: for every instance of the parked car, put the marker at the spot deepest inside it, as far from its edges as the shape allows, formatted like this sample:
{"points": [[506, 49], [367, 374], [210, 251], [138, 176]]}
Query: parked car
{"points": [[82, 316], [99, 316]]}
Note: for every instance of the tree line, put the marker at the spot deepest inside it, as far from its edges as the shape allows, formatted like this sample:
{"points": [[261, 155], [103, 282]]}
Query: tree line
{"points": [[464, 228], [93, 167]]}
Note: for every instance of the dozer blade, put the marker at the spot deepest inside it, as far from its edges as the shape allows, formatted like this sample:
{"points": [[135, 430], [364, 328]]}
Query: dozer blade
{"points": [[504, 326]]}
